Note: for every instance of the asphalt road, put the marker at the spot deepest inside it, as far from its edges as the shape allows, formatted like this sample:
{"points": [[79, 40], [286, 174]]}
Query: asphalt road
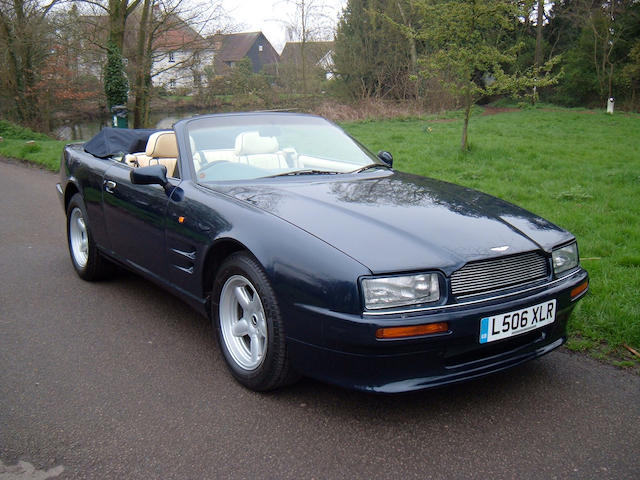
{"points": [[120, 380]]}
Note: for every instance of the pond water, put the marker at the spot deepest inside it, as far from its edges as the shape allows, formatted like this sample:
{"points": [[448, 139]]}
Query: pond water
{"points": [[84, 130]]}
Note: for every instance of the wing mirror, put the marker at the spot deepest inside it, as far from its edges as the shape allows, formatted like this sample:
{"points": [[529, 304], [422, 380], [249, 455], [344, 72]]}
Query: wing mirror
{"points": [[386, 157], [152, 175]]}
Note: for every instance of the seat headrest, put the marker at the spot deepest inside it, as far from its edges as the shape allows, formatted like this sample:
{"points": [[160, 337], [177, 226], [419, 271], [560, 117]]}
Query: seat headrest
{"points": [[251, 143], [162, 145]]}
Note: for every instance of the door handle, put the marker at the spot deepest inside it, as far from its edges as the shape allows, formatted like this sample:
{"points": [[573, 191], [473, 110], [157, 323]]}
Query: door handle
{"points": [[109, 185]]}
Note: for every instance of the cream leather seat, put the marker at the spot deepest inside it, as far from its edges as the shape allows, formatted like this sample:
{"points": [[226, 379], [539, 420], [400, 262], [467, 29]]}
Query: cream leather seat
{"points": [[162, 149], [259, 151]]}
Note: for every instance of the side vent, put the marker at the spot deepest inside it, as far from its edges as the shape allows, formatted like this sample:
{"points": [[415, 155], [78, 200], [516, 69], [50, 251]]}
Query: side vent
{"points": [[183, 260]]}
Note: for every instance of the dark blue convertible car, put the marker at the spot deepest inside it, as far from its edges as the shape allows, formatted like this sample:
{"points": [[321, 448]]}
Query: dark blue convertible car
{"points": [[312, 256]]}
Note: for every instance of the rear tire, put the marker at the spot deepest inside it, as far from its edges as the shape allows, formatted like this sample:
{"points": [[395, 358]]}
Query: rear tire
{"points": [[249, 325], [87, 261]]}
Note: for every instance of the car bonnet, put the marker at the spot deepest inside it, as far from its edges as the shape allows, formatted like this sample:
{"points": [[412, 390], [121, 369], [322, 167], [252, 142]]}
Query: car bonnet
{"points": [[396, 222]]}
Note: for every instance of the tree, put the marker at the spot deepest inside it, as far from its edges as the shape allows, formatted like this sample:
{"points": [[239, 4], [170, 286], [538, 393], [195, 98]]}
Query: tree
{"points": [[60, 87], [373, 48], [142, 85], [309, 23], [605, 22], [469, 43], [162, 30], [24, 43], [407, 24], [116, 86], [539, 25], [631, 73], [118, 11], [134, 30], [595, 38], [115, 81]]}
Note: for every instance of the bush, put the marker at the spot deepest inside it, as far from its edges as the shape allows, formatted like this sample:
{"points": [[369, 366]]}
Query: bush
{"points": [[29, 148], [11, 130]]}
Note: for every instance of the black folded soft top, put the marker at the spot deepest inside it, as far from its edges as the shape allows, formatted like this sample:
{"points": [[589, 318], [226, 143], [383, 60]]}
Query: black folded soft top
{"points": [[117, 141]]}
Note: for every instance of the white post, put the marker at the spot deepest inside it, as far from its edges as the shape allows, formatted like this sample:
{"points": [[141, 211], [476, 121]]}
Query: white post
{"points": [[610, 103]]}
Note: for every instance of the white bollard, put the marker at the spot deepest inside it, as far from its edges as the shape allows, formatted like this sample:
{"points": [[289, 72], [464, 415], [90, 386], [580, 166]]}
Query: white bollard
{"points": [[610, 103]]}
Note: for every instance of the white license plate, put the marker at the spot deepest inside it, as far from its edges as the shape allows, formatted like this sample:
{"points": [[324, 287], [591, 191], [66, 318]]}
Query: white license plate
{"points": [[514, 323]]}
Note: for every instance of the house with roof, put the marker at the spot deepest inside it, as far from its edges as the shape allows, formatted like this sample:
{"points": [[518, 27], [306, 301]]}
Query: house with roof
{"points": [[306, 67], [180, 55], [317, 56], [233, 47]]}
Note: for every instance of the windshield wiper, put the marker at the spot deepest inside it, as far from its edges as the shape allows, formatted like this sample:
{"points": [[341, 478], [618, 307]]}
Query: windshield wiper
{"points": [[303, 172], [372, 166]]}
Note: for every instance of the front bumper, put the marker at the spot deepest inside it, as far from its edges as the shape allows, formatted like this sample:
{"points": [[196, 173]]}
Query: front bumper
{"points": [[349, 354]]}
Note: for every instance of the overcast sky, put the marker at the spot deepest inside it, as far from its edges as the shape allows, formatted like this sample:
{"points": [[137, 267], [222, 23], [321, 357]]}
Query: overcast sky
{"points": [[271, 16]]}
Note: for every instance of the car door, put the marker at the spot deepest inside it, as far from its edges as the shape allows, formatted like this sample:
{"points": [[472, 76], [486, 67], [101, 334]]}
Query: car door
{"points": [[89, 173], [135, 220]]}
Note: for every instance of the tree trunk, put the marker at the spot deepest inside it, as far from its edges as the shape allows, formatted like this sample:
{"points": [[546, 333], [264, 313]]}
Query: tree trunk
{"points": [[540, 20], [147, 100], [141, 70], [117, 21], [538, 54], [118, 12], [24, 43], [465, 127], [610, 81], [303, 57], [413, 53]]}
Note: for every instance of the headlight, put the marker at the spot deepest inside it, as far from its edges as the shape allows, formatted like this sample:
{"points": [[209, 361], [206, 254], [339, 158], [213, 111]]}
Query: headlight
{"points": [[388, 292], [565, 258]]}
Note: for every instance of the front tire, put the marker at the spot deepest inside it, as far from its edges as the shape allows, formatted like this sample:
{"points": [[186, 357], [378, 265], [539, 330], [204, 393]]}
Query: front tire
{"points": [[249, 324], [85, 257]]}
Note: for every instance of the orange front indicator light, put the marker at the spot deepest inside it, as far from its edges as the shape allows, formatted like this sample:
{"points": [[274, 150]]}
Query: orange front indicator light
{"points": [[579, 289], [412, 331]]}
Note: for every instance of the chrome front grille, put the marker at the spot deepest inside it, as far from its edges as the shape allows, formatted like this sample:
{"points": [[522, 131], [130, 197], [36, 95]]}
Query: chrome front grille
{"points": [[498, 273]]}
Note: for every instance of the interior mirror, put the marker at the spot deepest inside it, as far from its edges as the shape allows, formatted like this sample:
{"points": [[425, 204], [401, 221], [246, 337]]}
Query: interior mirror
{"points": [[386, 157], [151, 175]]}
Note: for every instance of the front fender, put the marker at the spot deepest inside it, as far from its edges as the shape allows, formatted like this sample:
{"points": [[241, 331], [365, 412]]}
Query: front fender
{"points": [[302, 269]]}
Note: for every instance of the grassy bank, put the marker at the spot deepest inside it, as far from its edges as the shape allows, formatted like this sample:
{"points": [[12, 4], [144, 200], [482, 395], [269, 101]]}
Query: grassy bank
{"points": [[578, 169], [24, 144]]}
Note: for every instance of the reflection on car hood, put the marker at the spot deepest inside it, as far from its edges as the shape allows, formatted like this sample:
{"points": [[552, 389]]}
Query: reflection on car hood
{"points": [[393, 222]]}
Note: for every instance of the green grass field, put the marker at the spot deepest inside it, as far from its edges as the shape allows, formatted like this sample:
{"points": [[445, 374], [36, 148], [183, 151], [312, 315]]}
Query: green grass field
{"points": [[24, 144], [579, 169]]}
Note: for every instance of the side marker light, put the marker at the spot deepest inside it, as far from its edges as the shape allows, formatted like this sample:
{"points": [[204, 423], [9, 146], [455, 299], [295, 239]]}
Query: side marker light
{"points": [[577, 291], [412, 331]]}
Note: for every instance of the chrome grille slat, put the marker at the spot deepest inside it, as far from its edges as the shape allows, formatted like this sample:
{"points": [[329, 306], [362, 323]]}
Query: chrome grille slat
{"points": [[497, 273], [505, 277], [501, 276], [472, 271]]}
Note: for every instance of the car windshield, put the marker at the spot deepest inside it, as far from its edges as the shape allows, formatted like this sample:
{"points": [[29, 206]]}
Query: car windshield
{"points": [[242, 147]]}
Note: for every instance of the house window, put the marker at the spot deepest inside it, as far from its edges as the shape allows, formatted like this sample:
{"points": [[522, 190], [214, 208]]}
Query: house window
{"points": [[172, 83], [259, 48], [172, 57]]}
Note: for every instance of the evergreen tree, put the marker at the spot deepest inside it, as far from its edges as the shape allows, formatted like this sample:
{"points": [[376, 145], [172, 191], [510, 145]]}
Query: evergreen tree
{"points": [[372, 55], [116, 86]]}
